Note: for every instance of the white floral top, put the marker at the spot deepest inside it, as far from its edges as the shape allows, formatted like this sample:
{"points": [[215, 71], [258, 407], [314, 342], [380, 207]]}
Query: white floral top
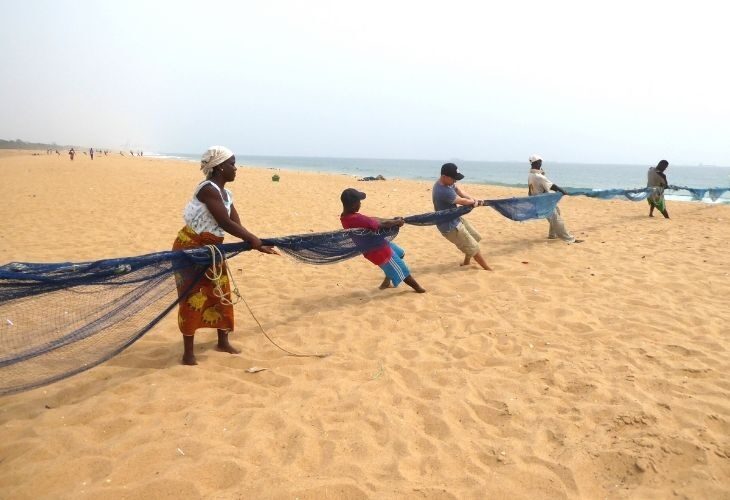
{"points": [[198, 217]]}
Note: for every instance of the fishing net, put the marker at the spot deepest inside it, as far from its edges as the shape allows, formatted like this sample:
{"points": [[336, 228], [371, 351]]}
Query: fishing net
{"points": [[59, 319], [639, 194], [517, 209]]}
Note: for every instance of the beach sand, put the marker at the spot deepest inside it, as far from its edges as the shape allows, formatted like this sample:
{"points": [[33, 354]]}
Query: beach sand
{"points": [[597, 370]]}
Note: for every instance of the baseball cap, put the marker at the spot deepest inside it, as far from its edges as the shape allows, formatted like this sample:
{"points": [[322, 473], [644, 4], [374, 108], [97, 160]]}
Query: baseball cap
{"points": [[450, 170], [350, 196], [534, 158]]}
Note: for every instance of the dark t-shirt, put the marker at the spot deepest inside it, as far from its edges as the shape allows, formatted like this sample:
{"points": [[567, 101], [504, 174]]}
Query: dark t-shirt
{"points": [[655, 178], [380, 255], [443, 199]]}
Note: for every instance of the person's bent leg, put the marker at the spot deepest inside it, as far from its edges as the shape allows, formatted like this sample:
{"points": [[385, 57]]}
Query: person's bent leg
{"points": [[189, 354], [414, 284], [557, 226], [224, 345], [552, 221], [396, 271], [662, 207], [385, 284], [471, 230], [471, 248], [465, 240]]}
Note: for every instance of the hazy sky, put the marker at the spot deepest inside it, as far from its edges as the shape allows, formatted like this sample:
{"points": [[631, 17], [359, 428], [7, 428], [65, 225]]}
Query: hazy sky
{"points": [[583, 81]]}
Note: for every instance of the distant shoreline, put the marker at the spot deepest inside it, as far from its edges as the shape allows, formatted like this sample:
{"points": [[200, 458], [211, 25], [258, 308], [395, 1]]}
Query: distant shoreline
{"points": [[498, 174]]}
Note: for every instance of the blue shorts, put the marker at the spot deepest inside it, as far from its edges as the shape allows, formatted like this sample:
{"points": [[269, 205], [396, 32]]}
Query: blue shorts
{"points": [[396, 269]]}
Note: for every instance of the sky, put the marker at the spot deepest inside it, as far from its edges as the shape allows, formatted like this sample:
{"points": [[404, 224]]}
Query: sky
{"points": [[574, 81]]}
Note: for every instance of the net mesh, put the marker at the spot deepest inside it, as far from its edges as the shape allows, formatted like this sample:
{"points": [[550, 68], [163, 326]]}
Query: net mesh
{"points": [[59, 319], [639, 194]]}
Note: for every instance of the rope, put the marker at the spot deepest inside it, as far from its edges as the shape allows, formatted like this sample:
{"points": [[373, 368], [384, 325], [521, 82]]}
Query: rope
{"points": [[290, 353], [217, 271]]}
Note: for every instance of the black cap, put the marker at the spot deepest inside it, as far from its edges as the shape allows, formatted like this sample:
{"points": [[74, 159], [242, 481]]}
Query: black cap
{"points": [[349, 196], [450, 170]]}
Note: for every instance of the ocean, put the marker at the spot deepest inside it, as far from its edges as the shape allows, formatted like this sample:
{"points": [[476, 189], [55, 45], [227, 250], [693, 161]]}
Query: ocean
{"points": [[513, 174]]}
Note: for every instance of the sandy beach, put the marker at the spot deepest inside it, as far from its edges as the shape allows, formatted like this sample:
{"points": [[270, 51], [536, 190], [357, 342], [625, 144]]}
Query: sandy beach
{"points": [[597, 370]]}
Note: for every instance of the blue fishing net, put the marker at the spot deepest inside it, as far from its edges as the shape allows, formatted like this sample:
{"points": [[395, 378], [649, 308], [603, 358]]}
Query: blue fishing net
{"points": [[57, 320], [60, 319], [629, 194], [715, 193], [639, 194], [517, 209], [699, 193], [325, 248], [521, 209]]}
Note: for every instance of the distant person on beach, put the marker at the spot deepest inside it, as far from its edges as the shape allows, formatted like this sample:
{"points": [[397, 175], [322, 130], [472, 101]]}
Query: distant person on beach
{"points": [[657, 181], [371, 178], [91, 153], [71, 153], [389, 256], [209, 215], [446, 194], [538, 183]]}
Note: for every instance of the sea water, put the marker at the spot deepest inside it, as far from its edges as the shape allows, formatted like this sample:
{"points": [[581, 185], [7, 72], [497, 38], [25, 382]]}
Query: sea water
{"points": [[501, 173]]}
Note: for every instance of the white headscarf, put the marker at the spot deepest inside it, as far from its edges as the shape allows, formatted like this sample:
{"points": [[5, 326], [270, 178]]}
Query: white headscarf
{"points": [[214, 157]]}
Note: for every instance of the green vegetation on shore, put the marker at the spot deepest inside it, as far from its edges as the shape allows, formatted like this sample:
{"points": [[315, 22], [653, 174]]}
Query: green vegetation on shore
{"points": [[18, 144]]}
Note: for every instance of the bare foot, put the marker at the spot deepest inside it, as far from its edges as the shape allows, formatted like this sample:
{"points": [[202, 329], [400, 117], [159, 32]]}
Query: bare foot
{"points": [[466, 262], [480, 260], [227, 347], [189, 360], [385, 284], [411, 282]]}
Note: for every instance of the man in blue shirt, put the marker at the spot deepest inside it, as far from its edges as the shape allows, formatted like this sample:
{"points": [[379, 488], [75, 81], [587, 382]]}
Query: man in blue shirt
{"points": [[446, 194]]}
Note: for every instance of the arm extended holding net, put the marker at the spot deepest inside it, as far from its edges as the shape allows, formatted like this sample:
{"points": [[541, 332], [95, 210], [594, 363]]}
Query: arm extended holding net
{"points": [[517, 209], [463, 199], [230, 223]]}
